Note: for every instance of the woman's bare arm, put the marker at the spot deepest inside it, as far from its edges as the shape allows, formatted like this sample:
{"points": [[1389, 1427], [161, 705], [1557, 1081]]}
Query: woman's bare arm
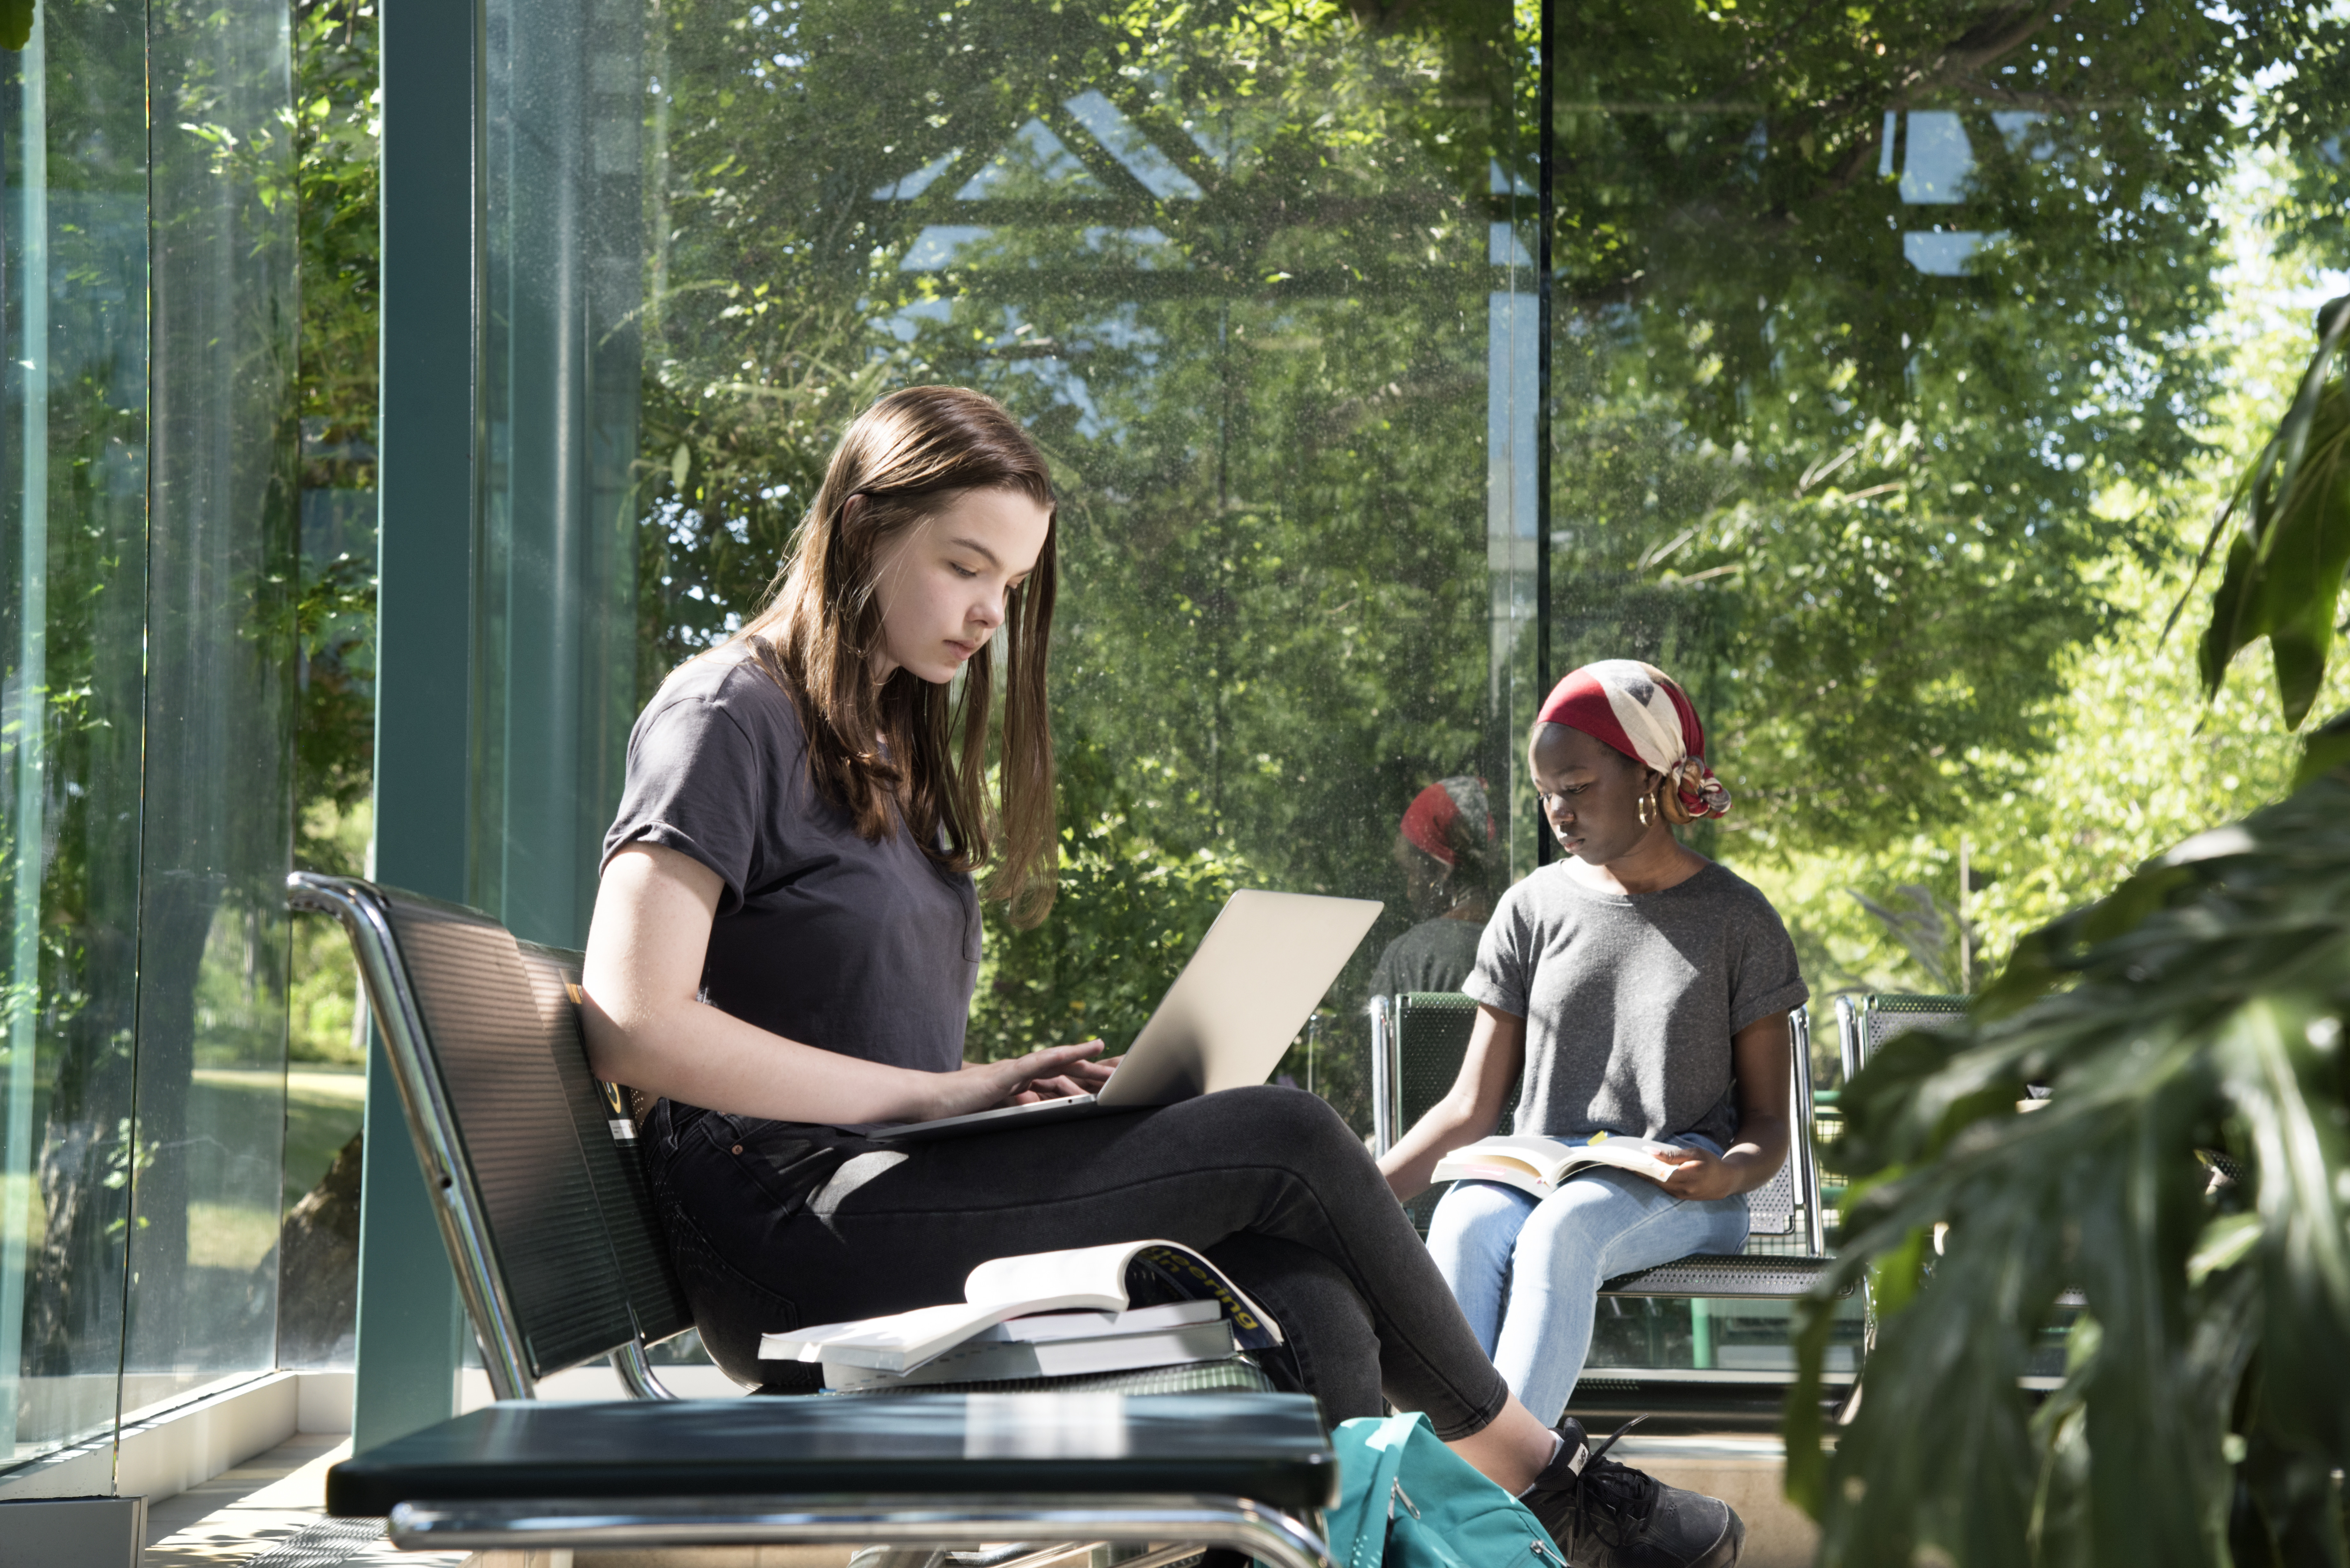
{"points": [[1760, 1056], [645, 951], [1469, 1110]]}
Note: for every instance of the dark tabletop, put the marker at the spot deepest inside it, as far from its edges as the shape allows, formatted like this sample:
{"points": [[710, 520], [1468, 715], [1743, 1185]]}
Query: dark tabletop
{"points": [[1267, 1446]]}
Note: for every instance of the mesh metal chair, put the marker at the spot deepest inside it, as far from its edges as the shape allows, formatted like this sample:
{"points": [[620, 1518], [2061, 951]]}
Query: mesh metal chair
{"points": [[1866, 1022], [1419, 1040], [550, 1224]]}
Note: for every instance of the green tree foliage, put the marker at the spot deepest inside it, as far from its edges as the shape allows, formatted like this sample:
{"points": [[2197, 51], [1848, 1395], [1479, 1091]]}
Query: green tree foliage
{"points": [[337, 134], [1908, 534], [1264, 394], [2132, 756], [337, 107], [1871, 487], [1146, 905]]}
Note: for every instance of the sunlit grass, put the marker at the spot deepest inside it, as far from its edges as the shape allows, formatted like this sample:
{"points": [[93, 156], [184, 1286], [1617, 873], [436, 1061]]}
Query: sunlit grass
{"points": [[322, 1107], [223, 1236]]}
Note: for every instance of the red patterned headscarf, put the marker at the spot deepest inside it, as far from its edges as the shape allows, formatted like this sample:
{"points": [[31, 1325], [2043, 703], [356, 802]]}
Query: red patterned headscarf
{"points": [[1637, 709], [1447, 812]]}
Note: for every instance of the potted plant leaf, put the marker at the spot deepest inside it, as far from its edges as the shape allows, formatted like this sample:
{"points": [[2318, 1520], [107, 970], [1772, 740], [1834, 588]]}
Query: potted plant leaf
{"points": [[2184, 1191]]}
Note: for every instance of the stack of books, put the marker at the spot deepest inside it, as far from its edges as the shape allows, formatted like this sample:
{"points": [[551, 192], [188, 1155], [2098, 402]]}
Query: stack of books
{"points": [[1043, 1314]]}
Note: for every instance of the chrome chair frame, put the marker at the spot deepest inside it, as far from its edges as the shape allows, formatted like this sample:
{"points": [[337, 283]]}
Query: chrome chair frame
{"points": [[1867, 1021], [1269, 1535], [457, 1203]]}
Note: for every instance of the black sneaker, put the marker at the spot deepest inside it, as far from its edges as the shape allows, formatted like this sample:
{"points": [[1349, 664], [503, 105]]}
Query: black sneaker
{"points": [[1603, 1514]]}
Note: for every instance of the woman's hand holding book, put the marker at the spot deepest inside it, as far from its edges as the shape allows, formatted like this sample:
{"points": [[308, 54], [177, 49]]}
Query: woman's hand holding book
{"points": [[1701, 1175]]}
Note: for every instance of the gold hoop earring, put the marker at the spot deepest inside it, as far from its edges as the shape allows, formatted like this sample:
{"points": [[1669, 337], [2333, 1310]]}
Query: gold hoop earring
{"points": [[1648, 808]]}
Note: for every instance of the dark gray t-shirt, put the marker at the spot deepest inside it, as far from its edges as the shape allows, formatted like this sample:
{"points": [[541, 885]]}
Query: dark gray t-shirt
{"points": [[1434, 955], [869, 950], [1630, 1000]]}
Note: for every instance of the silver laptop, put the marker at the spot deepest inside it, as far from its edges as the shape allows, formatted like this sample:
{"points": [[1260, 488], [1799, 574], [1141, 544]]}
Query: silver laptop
{"points": [[1250, 987]]}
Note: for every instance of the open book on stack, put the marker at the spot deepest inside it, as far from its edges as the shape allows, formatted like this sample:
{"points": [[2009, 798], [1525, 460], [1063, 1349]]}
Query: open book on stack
{"points": [[1537, 1165], [1045, 1315]]}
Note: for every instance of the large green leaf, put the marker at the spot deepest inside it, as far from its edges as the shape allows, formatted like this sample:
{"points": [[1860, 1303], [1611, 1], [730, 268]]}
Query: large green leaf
{"points": [[16, 24], [2205, 1012], [2285, 561]]}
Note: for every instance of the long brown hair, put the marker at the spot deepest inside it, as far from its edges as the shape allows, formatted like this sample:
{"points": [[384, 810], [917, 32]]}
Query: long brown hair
{"points": [[903, 745]]}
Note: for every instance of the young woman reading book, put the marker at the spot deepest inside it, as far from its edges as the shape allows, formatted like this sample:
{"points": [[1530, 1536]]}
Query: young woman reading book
{"points": [[1639, 989], [784, 949]]}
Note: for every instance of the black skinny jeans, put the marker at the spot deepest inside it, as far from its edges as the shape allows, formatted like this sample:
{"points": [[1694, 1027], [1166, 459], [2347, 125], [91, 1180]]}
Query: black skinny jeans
{"points": [[1268, 1182]]}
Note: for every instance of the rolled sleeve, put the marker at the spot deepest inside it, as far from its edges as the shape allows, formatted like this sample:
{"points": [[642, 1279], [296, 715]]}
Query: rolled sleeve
{"points": [[1768, 978], [1782, 999], [697, 784]]}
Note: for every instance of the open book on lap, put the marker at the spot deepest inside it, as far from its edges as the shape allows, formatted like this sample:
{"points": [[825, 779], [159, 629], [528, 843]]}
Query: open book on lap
{"points": [[1537, 1165], [1086, 1309]]}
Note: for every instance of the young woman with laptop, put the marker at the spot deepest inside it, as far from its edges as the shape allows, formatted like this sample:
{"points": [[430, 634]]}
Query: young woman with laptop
{"points": [[785, 945], [1639, 991]]}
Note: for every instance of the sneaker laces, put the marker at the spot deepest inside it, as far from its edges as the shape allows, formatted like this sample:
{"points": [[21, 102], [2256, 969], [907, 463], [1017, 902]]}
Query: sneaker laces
{"points": [[1612, 1500]]}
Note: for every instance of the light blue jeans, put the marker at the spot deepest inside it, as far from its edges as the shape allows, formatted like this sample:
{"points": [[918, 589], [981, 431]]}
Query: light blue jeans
{"points": [[1528, 1274]]}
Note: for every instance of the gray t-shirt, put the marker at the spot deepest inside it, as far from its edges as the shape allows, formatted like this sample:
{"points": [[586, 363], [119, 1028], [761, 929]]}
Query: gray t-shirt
{"points": [[1434, 955], [1630, 1000], [869, 950]]}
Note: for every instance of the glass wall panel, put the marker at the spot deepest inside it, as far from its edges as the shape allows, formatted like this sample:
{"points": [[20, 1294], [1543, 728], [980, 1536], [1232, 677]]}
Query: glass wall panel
{"points": [[146, 564], [1258, 282], [337, 153], [554, 641], [1901, 361], [73, 551], [222, 574]]}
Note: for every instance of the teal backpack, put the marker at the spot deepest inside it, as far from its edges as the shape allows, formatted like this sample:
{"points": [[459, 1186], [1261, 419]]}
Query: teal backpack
{"points": [[1406, 1501]]}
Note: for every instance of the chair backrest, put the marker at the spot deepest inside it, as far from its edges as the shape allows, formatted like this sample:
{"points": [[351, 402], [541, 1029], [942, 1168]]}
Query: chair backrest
{"points": [[606, 1129], [1421, 1038], [1784, 1217], [556, 1250], [1866, 1022]]}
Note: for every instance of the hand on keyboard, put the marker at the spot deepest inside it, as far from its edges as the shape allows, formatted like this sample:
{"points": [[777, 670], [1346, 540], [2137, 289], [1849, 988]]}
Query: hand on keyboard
{"points": [[1081, 1077]]}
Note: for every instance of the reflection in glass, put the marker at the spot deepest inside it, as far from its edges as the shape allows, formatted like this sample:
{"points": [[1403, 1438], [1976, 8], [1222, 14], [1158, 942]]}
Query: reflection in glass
{"points": [[73, 553], [222, 563], [77, 241], [1262, 290], [1888, 418], [1877, 410], [28, 367], [556, 687], [144, 575], [1891, 418]]}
